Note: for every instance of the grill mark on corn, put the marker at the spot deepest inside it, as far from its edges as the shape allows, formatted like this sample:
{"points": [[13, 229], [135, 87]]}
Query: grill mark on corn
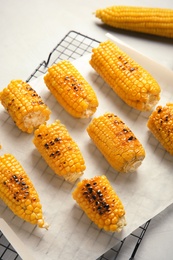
{"points": [[73, 83], [96, 198], [125, 65], [100, 202], [18, 187]]}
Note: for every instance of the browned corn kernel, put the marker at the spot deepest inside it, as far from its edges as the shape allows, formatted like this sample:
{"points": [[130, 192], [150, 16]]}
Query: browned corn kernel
{"points": [[160, 124], [59, 150], [71, 90], [99, 201], [156, 21], [116, 142], [24, 105], [132, 83], [18, 192]]}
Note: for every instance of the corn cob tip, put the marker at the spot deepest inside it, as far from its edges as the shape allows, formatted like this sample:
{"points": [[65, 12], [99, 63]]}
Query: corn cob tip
{"points": [[42, 224], [100, 202]]}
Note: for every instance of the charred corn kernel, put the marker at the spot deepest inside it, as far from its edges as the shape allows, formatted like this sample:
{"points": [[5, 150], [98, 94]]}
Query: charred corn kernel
{"points": [[59, 150], [71, 90], [18, 192], [160, 124], [129, 80], [156, 21], [116, 142], [24, 105], [99, 201]]}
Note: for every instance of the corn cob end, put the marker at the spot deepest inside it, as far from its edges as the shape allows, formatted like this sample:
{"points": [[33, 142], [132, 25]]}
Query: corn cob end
{"points": [[100, 203], [24, 105]]}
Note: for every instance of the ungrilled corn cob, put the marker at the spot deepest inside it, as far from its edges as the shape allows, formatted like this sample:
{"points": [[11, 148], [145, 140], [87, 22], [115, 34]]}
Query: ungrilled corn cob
{"points": [[132, 83], [156, 21], [59, 150], [18, 192], [71, 90], [160, 124], [100, 202], [24, 105], [116, 142]]}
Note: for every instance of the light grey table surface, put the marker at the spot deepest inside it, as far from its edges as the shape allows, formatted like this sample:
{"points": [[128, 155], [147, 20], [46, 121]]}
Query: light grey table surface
{"points": [[29, 30]]}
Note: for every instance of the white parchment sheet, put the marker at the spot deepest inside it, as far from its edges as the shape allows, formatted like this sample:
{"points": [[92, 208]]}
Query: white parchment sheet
{"points": [[144, 193]]}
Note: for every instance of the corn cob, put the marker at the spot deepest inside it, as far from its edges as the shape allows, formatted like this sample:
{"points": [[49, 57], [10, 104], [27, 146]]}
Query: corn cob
{"points": [[160, 124], [100, 202], [18, 192], [59, 150], [116, 142], [71, 90], [24, 105], [132, 83], [155, 21]]}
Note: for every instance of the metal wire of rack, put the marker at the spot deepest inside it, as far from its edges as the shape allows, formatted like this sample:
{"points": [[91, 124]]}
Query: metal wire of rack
{"points": [[74, 45], [7, 252]]}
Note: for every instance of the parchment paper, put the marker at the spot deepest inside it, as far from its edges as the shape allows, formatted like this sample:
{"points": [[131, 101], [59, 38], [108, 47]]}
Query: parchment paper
{"points": [[144, 193]]}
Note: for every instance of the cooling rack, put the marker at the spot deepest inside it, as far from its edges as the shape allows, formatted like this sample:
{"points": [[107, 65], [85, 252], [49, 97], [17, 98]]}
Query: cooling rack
{"points": [[71, 47]]}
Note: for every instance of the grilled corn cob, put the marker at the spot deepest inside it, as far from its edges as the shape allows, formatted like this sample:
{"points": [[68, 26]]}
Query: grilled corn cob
{"points": [[18, 192], [129, 80], [116, 142], [24, 105], [71, 90], [100, 202], [156, 21], [59, 150], [160, 124]]}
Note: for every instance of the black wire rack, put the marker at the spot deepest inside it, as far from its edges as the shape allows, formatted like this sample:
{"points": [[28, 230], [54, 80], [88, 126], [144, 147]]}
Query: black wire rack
{"points": [[7, 252], [73, 46]]}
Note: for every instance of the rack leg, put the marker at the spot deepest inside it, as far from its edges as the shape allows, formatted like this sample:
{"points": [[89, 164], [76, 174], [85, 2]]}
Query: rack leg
{"points": [[144, 229]]}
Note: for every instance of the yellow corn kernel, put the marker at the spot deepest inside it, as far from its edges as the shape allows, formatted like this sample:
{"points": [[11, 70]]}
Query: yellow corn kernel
{"points": [[116, 142], [134, 85], [24, 105], [18, 192], [71, 90], [59, 150], [160, 124], [100, 202], [156, 21]]}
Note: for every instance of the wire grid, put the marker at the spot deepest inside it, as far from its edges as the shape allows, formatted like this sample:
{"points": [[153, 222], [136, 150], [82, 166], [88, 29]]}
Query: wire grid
{"points": [[7, 252], [73, 46]]}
